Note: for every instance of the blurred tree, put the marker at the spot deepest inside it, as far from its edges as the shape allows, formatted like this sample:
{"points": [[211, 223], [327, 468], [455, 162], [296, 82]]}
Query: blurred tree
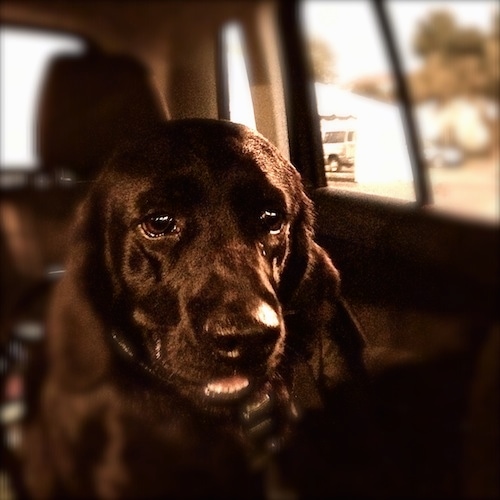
{"points": [[457, 60], [465, 41], [374, 88], [466, 52], [323, 61], [433, 33], [492, 58]]}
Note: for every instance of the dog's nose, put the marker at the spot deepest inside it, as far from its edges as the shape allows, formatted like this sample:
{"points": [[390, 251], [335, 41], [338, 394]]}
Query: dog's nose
{"points": [[251, 344], [246, 338]]}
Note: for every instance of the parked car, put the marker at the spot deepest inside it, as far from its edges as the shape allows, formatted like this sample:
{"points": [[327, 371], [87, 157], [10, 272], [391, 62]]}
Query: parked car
{"points": [[443, 156], [338, 147]]}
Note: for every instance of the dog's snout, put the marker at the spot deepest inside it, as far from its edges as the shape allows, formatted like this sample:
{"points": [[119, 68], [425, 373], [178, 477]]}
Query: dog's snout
{"points": [[251, 344], [251, 337], [266, 315]]}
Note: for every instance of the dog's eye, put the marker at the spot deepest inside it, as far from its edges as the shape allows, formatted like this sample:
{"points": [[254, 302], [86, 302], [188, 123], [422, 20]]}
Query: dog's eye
{"points": [[155, 226], [272, 221]]}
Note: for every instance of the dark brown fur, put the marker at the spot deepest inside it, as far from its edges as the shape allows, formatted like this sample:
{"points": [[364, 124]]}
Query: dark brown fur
{"points": [[141, 324]]}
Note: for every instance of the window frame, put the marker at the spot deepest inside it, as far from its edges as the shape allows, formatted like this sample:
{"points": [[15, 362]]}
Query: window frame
{"points": [[303, 123]]}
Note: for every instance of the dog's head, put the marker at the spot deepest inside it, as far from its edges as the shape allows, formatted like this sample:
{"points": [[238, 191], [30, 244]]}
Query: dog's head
{"points": [[189, 249]]}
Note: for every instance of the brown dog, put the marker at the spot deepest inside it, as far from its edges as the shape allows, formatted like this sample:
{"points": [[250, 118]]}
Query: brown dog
{"points": [[195, 313]]}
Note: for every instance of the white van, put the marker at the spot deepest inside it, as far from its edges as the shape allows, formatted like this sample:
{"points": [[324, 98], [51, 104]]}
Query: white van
{"points": [[339, 144]]}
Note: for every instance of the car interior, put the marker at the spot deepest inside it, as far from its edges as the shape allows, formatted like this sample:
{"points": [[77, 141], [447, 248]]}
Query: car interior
{"points": [[421, 281]]}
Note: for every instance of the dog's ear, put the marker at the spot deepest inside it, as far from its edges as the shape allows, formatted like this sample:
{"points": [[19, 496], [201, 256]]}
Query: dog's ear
{"points": [[301, 234], [78, 346], [320, 326]]}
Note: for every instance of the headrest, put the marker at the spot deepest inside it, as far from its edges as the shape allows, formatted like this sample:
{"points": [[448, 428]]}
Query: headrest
{"points": [[88, 103]]}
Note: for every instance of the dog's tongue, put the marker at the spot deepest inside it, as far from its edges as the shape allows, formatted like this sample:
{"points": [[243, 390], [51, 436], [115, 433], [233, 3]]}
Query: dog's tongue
{"points": [[227, 388]]}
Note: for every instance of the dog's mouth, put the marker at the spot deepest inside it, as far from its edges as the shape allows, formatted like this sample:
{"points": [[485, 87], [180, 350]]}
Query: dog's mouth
{"points": [[227, 389], [259, 412]]}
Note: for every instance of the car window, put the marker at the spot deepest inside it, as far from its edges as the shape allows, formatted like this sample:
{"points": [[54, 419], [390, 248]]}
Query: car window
{"points": [[364, 146], [240, 99], [25, 55], [449, 52]]}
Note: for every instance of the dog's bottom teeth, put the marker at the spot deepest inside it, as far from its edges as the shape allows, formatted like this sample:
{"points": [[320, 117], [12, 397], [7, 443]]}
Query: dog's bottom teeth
{"points": [[226, 387]]}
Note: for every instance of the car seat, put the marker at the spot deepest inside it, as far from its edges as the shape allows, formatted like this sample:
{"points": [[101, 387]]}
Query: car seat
{"points": [[89, 102]]}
